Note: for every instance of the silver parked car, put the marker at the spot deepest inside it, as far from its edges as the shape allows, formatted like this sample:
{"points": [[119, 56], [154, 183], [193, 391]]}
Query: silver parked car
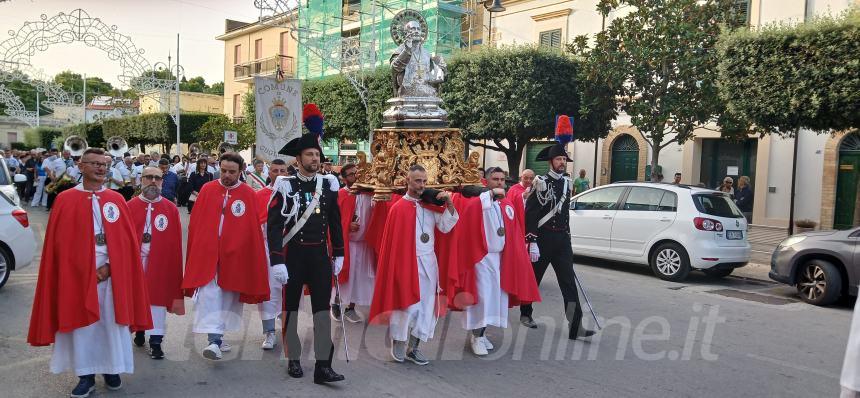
{"points": [[823, 265]]}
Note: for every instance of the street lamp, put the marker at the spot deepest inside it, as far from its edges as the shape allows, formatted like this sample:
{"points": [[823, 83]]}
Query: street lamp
{"points": [[493, 6]]}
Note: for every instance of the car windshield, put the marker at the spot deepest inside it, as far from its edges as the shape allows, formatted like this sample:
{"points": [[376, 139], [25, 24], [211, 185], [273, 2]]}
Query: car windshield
{"points": [[717, 205]]}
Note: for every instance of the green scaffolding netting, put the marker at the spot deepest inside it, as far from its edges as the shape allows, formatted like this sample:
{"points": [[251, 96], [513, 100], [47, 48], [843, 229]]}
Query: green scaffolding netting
{"points": [[347, 35]]}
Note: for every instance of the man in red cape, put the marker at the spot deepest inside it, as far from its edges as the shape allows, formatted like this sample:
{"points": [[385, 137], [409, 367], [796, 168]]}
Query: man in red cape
{"points": [[407, 279], [159, 236], [271, 308], [359, 269], [494, 271], [225, 264], [91, 288], [517, 194]]}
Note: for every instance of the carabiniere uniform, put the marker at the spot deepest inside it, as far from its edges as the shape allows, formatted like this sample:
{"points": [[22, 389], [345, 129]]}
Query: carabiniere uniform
{"points": [[547, 225], [308, 259]]}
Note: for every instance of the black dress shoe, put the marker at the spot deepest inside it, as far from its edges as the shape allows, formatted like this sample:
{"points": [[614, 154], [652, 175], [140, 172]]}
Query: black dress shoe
{"points": [[294, 369], [326, 374], [139, 338], [580, 333], [155, 351], [528, 322]]}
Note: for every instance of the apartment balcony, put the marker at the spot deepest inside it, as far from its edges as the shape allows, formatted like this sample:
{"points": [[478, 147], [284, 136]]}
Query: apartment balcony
{"points": [[245, 72], [238, 119]]}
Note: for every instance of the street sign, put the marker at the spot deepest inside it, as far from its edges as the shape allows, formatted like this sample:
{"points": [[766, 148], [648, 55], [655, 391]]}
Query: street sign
{"points": [[231, 137]]}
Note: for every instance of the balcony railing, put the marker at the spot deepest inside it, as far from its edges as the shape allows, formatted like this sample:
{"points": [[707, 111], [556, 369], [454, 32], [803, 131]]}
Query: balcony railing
{"points": [[238, 119], [245, 72]]}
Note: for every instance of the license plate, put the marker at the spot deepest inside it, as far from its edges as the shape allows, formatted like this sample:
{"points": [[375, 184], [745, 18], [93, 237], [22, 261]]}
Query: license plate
{"points": [[734, 235]]}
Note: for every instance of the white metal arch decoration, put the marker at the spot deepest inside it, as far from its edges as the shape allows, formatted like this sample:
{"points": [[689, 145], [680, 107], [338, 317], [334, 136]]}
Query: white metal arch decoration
{"points": [[76, 26], [79, 26], [15, 108]]}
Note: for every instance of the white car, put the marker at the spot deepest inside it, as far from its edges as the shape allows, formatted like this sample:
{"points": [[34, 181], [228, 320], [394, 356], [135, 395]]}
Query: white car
{"points": [[672, 228], [17, 243], [7, 184]]}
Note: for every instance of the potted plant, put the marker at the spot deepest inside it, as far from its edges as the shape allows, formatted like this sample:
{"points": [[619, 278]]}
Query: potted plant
{"points": [[804, 226]]}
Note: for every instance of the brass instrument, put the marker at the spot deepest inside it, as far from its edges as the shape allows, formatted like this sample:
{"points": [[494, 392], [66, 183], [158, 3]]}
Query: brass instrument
{"points": [[55, 186], [117, 147], [75, 145]]}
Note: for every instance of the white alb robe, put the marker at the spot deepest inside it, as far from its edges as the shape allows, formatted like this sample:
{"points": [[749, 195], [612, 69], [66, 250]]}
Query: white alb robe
{"points": [[103, 347], [159, 313], [216, 310], [421, 316], [362, 260], [492, 306]]}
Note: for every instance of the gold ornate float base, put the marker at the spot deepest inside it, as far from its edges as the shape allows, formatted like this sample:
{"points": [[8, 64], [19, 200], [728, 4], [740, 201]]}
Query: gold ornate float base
{"points": [[440, 151]]}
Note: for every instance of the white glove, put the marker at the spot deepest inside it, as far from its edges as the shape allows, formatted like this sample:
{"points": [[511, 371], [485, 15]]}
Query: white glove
{"points": [[534, 252], [338, 265], [279, 273]]}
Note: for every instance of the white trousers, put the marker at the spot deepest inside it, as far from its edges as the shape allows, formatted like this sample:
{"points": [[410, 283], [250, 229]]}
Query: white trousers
{"points": [[40, 197], [362, 275], [421, 316], [492, 306], [216, 310], [272, 308], [103, 347]]}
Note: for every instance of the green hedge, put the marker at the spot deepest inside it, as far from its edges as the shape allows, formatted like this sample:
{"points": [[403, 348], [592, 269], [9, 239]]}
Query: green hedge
{"points": [[42, 136], [155, 128], [782, 78]]}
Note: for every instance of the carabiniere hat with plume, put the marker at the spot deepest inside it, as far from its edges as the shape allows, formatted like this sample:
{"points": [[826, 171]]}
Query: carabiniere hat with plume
{"points": [[313, 120], [563, 135]]}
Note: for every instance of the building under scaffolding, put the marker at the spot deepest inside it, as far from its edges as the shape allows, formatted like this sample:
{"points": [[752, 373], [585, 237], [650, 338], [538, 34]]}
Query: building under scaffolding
{"points": [[347, 35]]}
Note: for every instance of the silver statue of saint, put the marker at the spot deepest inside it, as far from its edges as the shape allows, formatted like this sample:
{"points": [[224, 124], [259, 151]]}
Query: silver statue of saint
{"points": [[416, 76]]}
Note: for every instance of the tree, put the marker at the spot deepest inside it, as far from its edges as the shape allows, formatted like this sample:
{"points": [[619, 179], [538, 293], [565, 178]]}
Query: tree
{"points": [[784, 78], [195, 85], [211, 133], [512, 95], [74, 83], [215, 88], [660, 63], [26, 92]]}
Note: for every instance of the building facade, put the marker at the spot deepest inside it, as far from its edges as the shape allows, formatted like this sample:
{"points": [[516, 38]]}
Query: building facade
{"points": [[160, 101], [827, 164]]}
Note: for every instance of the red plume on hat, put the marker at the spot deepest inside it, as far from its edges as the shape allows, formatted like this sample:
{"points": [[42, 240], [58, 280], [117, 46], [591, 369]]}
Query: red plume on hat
{"points": [[563, 129], [313, 119]]}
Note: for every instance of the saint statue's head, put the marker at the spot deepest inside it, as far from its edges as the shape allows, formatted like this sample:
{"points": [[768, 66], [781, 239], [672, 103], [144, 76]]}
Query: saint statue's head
{"points": [[413, 31]]}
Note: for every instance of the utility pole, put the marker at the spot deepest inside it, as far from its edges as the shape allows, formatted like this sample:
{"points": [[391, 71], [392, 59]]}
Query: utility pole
{"points": [[37, 107], [178, 142], [85, 103]]}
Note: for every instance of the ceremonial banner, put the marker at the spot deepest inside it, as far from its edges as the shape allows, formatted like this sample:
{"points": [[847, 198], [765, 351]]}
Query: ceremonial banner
{"points": [[279, 115]]}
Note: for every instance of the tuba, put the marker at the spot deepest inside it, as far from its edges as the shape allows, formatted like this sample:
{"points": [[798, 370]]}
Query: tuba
{"points": [[117, 146], [75, 145]]}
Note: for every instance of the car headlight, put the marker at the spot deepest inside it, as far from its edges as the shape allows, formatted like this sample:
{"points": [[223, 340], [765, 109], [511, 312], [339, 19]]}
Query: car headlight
{"points": [[792, 241]]}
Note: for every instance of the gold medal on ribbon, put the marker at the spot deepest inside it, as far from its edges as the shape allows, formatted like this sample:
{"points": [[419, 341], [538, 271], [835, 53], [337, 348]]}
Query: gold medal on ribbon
{"points": [[500, 231], [100, 239], [425, 237]]}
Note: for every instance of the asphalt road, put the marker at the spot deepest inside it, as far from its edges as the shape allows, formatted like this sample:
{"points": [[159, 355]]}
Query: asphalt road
{"points": [[736, 337]]}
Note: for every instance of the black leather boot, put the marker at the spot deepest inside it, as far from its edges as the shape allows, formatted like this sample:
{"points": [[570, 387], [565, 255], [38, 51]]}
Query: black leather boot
{"points": [[294, 368], [325, 374]]}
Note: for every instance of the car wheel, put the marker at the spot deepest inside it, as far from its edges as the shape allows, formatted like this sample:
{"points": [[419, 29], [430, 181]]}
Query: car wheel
{"points": [[718, 273], [5, 263], [669, 262], [819, 282]]}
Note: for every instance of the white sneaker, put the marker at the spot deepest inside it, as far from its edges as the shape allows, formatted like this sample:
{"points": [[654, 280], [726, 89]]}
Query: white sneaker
{"points": [[478, 346], [212, 352], [225, 347], [269, 342], [487, 344]]}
